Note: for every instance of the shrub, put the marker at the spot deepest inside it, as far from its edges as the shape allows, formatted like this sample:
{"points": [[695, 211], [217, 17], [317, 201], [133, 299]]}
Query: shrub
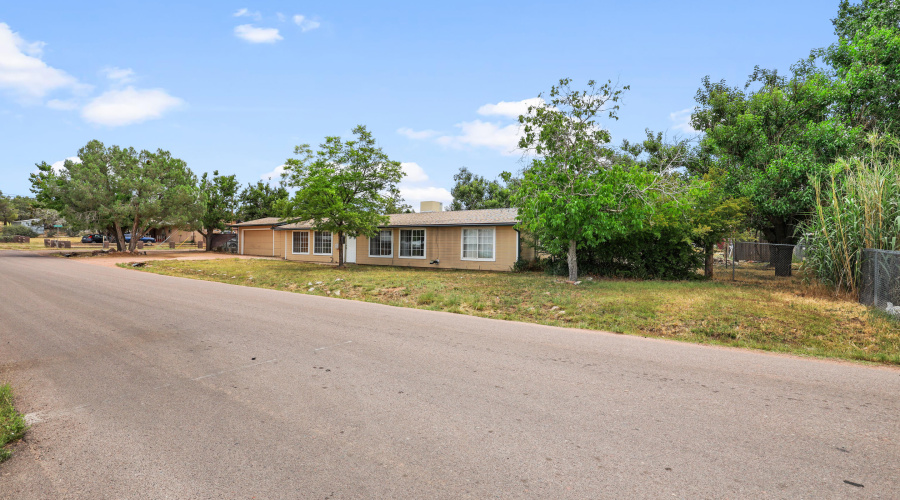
{"points": [[522, 265], [17, 230], [667, 256]]}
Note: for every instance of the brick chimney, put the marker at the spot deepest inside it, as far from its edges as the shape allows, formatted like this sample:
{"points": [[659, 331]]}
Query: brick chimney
{"points": [[431, 206]]}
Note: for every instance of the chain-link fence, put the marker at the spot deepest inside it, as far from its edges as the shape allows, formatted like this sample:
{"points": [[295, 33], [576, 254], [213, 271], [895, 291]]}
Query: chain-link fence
{"points": [[770, 256], [880, 280]]}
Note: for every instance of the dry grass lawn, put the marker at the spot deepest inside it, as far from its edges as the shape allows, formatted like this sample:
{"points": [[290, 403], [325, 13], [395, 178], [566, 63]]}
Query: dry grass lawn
{"points": [[757, 311]]}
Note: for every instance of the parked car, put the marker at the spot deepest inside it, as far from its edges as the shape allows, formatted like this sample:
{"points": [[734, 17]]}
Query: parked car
{"points": [[92, 238], [145, 239]]}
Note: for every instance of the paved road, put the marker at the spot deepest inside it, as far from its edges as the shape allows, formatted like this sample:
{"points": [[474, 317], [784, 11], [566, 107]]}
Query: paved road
{"points": [[145, 386]]}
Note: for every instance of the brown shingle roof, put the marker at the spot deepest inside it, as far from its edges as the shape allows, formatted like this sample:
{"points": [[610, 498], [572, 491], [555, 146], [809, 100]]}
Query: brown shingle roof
{"points": [[265, 221], [489, 217]]}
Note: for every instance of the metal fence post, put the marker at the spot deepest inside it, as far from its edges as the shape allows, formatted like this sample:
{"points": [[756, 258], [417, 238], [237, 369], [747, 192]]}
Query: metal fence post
{"points": [[733, 264], [875, 281]]}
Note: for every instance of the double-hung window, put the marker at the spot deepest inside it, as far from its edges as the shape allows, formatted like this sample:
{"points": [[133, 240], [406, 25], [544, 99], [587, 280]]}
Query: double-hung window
{"points": [[478, 243], [412, 243], [301, 242], [382, 244], [322, 243]]}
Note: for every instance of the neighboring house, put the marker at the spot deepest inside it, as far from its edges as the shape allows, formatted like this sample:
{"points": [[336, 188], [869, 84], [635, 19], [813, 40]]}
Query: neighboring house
{"points": [[464, 239], [33, 224], [171, 234]]}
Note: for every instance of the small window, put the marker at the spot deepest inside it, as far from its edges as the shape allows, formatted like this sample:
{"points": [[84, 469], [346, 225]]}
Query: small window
{"points": [[301, 242], [381, 245], [412, 243], [478, 244], [322, 243]]}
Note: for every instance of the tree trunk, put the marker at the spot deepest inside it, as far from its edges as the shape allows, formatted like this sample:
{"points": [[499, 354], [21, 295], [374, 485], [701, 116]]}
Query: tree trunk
{"points": [[708, 263], [120, 238], [132, 245], [206, 239], [573, 262], [781, 259], [781, 233], [340, 249]]}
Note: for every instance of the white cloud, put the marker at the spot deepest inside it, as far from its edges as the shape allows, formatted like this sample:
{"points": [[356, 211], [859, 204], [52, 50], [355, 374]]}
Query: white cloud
{"points": [[247, 13], [253, 34], [273, 175], [414, 172], [62, 105], [413, 134], [305, 24], [682, 121], [504, 138], [59, 166], [509, 109], [129, 105], [119, 75], [24, 73], [281, 17], [415, 195]]}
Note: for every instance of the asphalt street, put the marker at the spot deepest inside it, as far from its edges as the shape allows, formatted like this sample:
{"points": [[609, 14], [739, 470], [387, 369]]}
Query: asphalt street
{"points": [[146, 386]]}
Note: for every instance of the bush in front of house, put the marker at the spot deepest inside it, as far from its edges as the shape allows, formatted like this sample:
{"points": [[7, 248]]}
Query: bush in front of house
{"points": [[17, 230], [668, 255]]}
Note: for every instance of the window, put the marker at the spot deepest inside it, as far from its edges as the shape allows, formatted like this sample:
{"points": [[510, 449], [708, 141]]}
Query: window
{"points": [[412, 243], [301, 242], [478, 244], [381, 245], [322, 244]]}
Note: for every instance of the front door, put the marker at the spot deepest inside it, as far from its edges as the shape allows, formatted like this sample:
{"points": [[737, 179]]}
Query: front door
{"points": [[350, 250]]}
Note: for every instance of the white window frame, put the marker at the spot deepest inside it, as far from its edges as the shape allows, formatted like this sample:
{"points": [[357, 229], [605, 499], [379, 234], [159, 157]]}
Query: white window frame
{"points": [[308, 243], [462, 239], [369, 245], [424, 243], [330, 242]]}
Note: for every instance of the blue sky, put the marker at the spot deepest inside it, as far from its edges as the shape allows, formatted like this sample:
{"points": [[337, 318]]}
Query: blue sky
{"points": [[235, 86]]}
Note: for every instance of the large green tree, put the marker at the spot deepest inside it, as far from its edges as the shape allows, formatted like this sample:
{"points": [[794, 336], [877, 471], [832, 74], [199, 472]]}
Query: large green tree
{"points": [[768, 141], [261, 200], [8, 212], [573, 194], [121, 189], [866, 62], [345, 187], [473, 192], [218, 201]]}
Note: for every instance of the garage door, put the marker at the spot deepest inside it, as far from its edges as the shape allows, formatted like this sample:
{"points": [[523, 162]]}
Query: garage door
{"points": [[257, 242]]}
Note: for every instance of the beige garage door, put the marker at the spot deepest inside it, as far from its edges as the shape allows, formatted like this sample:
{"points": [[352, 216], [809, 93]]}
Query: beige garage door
{"points": [[257, 242]]}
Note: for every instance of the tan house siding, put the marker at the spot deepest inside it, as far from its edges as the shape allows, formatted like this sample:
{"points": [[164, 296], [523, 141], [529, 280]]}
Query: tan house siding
{"points": [[287, 239], [445, 244]]}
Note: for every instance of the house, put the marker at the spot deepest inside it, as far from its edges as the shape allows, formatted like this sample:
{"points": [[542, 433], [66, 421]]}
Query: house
{"points": [[464, 239], [33, 224]]}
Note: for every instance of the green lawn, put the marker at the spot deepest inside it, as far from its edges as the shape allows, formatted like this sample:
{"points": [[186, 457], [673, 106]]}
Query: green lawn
{"points": [[758, 311], [12, 425]]}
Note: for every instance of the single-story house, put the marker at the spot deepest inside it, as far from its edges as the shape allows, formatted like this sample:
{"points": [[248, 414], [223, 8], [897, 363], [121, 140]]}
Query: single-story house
{"points": [[464, 239]]}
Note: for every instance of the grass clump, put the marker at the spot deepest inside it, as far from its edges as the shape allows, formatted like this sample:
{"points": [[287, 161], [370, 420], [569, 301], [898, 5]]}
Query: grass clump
{"points": [[12, 424]]}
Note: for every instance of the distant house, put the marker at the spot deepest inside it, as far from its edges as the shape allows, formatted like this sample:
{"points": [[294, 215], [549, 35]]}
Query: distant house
{"points": [[33, 224], [464, 239]]}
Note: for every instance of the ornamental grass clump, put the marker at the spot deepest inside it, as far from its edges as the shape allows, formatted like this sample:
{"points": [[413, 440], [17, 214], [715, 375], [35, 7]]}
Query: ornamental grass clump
{"points": [[857, 208]]}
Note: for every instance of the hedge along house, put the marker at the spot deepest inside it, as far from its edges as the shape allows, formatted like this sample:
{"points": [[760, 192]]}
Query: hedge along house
{"points": [[465, 239]]}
